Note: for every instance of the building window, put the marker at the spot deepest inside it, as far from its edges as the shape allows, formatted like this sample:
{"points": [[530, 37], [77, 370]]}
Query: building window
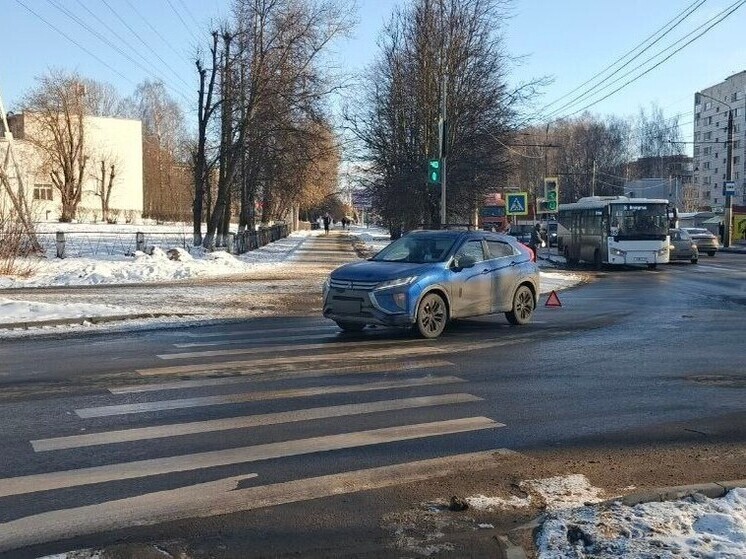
{"points": [[708, 120], [738, 175], [706, 150], [735, 111], [708, 135], [696, 150], [736, 160], [708, 194], [737, 144], [708, 105], [707, 165], [706, 180], [42, 192]]}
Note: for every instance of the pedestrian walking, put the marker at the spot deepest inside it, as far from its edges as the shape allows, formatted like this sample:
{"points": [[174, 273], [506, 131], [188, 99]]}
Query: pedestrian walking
{"points": [[535, 241], [327, 222]]}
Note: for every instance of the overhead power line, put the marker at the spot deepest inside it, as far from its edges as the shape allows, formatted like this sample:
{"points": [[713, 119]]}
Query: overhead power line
{"points": [[673, 23], [153, 29], [73, 41], [181, 19], [106, 41], [711, 23], [145, 44]]}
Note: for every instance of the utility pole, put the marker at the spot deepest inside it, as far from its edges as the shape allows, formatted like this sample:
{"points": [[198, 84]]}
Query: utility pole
{"points": [[727, 218], [593, 182], [442, 148]]}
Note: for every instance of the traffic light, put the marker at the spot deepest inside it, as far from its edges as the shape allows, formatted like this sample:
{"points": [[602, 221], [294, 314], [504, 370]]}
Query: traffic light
{"points": [[551, 194], [433, 171]]}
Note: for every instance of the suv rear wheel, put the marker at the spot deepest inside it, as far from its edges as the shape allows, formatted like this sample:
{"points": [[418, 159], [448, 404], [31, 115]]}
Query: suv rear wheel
{"points": [[350, 326], [523, 306]]}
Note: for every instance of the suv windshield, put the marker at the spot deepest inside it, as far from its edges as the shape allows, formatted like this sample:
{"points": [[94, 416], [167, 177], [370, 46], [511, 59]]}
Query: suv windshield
{"points": [[417, 249]]}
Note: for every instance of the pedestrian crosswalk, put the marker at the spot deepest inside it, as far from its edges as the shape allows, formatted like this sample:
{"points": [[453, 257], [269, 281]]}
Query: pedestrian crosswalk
{"points": [[211, 434]]}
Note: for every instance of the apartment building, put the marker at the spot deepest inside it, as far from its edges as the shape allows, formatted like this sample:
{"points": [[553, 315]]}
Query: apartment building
{"points": [[711, 108]]}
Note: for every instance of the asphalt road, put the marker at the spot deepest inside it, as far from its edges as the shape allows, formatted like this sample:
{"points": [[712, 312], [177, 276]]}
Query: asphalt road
{"points": [[287, 437]]}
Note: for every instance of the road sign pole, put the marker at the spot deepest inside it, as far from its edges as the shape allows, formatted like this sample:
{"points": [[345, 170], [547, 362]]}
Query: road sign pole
{"points": [[443, 154]]}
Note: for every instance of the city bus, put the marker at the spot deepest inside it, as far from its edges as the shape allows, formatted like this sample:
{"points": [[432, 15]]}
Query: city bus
{"points": [[615, 230], [492, 213]]}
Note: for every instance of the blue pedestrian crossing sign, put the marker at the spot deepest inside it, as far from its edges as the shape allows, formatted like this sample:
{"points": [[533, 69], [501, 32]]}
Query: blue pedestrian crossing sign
{"points": [[517, 203]]}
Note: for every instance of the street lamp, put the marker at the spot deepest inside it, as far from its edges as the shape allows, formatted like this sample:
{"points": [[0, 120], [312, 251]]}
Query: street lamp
{"points": [[727, 217]]}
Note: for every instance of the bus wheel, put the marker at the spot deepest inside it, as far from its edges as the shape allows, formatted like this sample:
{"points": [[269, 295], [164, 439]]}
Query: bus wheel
{"points": [[570, 261], [597, 259], [652, 266]]}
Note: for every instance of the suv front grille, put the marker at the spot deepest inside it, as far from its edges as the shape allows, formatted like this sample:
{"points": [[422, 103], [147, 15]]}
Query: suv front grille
{"points": [[355, 285]]}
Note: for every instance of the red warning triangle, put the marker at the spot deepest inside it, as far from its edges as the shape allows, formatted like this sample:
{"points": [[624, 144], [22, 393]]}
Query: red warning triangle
{"points": [[553, 300]]}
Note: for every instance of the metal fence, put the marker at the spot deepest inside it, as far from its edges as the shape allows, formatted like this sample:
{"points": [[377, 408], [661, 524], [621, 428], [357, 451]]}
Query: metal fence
{"points": [[101, 243]]}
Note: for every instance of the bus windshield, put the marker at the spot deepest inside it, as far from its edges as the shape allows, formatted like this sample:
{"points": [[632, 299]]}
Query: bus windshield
{"points": [[639, 221]]}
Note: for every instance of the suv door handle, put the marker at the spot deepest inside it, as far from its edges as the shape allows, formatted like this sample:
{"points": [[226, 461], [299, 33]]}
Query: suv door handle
{"points": [[486, 271]]}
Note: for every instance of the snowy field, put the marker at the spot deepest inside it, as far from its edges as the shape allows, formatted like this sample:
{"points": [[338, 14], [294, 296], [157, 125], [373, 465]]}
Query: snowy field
{"points": [[12, 311]]}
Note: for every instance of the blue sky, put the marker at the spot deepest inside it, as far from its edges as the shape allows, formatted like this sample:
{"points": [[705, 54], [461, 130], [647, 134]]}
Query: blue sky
{"points": [[568, 40]]}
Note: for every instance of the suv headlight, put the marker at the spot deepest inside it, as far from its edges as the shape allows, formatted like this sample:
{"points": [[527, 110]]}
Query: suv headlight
{"points": [[399, 282], [663, 251], [617, 252]]}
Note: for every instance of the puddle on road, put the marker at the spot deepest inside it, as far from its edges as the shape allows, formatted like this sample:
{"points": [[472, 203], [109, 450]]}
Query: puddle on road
{"points": [[722, 381]]}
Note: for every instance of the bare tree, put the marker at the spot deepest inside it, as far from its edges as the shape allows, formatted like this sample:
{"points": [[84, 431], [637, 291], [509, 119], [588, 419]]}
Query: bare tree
{"points": [[206, 107], [166, 188], [55, 112], [107, 175], [426, 43]]}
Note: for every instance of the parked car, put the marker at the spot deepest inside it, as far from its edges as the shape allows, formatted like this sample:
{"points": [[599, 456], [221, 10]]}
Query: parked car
{"points": [[522, 232], [706, 242], [682, 246], [427, 278]]}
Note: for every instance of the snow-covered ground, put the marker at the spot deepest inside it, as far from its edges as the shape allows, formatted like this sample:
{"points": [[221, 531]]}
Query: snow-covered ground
{"points": [[579, 526], [12, 311], [117, 268]]}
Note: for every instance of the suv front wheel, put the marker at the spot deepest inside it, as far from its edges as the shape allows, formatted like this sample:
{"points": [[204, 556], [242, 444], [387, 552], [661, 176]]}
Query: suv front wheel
{"points": [[432, 316]]}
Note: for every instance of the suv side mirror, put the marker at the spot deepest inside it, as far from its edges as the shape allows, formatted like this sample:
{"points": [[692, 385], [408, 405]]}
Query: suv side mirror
{"points": [[463, 262]]}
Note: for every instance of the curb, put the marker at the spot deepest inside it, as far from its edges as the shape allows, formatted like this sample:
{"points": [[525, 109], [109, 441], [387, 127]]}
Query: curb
{"points": [[713, 490], [82, 320]]}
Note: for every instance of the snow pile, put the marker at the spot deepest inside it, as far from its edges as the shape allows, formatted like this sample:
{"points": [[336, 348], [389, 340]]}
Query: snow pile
{"points": [[27, 311], [164, 264], [578, 527], [554, 493], [693, 527], [374, 239]]}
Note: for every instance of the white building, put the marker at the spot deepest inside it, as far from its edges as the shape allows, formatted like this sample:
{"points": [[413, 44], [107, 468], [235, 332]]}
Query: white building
{"points": [[113, 140], [711, 107]]}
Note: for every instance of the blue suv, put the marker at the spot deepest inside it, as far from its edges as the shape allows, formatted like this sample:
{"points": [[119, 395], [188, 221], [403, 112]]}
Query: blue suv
{"points": [[427, 278]]}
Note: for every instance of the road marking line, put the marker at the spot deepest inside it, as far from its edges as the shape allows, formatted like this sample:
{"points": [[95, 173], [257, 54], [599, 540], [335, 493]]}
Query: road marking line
{"points": [[256, 331], [258, 340], [290, 361], [196, 427], [294, 373], [214, 498], [157, 466], [203, 401], [276, 349]]}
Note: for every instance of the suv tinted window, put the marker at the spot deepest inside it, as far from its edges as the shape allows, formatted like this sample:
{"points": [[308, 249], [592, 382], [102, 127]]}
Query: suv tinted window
{"points": [[499, 249]]}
